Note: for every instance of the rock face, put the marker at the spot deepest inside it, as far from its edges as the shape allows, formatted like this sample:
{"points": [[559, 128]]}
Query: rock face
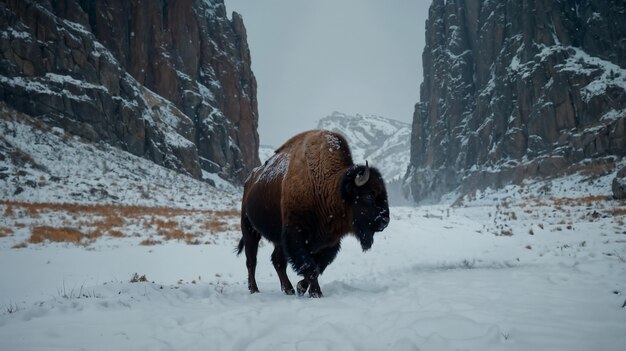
{"points": [[515, 89], [167, 80]]}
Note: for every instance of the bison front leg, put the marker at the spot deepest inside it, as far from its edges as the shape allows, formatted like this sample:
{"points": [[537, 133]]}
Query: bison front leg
{"points": [[323, 258], [297, 250], [302, 287], [312, 285], [280, 264]]}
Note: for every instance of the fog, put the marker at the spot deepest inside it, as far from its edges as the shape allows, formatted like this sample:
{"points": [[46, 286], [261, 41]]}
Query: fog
{"points": [[311, 58]]}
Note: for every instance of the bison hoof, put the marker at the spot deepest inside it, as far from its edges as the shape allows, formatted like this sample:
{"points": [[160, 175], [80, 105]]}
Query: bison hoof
{"points": [[253, 290], [289, 291], [302, 287], [315, 294]]}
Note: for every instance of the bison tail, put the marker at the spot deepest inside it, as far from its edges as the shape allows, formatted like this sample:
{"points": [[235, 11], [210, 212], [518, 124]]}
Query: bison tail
{"points": [[239, 248]]}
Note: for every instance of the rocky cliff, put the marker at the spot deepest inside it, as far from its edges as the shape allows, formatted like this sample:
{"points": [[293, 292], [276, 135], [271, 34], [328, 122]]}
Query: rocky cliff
{"points": [[516, 89], [167, 80]]}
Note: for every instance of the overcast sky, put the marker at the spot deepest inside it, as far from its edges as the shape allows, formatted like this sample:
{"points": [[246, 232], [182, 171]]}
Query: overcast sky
{"points": [[311, 58]]}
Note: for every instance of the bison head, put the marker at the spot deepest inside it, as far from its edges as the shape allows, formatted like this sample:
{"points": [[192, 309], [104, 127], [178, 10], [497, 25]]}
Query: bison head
{"points": [[363, 189]]}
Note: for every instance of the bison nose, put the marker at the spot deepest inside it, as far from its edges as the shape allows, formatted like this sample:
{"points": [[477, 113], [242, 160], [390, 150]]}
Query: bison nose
{"points": [[384, 222]]}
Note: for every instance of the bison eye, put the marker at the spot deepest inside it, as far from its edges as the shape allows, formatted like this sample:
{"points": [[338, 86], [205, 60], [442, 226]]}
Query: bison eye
{"points": [[368, 199]]}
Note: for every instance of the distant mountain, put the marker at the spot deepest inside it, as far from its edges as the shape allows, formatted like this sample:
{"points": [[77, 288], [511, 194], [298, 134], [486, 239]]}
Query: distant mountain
{"points": [[517, 89], [265, 152], [169, 81], [382, 142]]}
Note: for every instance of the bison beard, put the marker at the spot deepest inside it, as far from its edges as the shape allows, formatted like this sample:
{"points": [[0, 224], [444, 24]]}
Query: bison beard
{"points": [[366, 238], [304, 200]]}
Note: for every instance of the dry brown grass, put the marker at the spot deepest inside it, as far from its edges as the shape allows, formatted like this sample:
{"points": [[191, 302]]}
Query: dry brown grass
{"points": [[581, 201], [20, 245], [65, 234], [173, 234], [617, 211], [8, 212], [114, 213], [116, 233], [4, 231], [591, 170], [100, 210], [149, 242], [214, 225], [228, 213], [111, 219], [20, 156]]}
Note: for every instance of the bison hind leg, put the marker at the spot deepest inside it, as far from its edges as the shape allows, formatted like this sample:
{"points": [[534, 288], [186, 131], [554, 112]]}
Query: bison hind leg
{"points": [[250, 243]]}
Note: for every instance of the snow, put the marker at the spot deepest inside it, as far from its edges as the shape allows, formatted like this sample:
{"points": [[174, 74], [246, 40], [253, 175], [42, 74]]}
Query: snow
{"points": [[610, 73], [436, 279], [604, 73], [613, 115], [221, 183], [77, 27], [11, 32], [276, 166], [539, 266], [333, 142], [39, 86], [27, 84], [595, 16], [265, 152]]}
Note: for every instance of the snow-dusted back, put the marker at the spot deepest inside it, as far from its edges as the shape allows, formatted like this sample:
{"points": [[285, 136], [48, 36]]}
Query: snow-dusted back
{"points": [[275, 167]]}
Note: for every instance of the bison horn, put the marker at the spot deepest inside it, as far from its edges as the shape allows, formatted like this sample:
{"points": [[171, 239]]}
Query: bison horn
{"points": [[362, 178]]}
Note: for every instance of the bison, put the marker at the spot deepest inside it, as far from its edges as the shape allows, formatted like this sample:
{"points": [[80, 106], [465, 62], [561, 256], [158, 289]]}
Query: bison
{"points": [[305, 199]]}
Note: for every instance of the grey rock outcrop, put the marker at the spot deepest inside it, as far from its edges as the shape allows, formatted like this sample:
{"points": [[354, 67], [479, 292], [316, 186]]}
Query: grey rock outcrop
{"points": [[619, 185], [517, 89]]}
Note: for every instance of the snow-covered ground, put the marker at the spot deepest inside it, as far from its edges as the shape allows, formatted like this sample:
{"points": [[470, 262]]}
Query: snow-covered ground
{"points": [[534, 267]]}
